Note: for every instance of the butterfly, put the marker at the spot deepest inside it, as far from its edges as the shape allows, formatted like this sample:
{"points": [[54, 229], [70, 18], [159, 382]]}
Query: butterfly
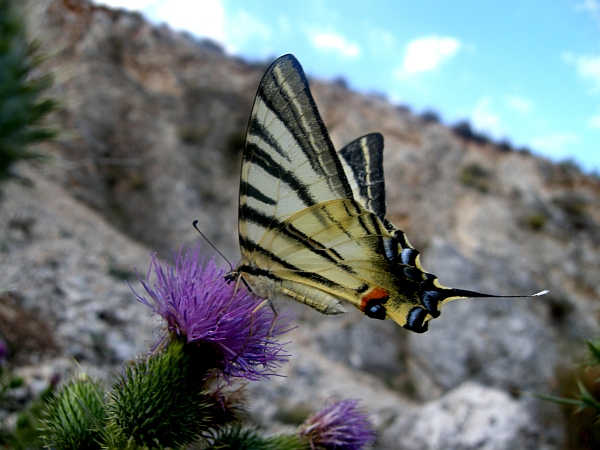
{"points": [[312, 225]]}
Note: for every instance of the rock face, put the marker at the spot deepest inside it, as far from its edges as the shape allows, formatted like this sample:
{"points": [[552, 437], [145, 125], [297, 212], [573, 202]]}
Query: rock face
{"points": [[154, 125], [470, 416]]}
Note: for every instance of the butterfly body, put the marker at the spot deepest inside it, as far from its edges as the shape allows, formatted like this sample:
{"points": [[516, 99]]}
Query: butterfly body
{"points": [[312, 225]]}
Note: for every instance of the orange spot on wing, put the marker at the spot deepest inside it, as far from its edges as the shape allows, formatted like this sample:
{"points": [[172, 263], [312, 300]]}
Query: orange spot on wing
{"points": [[376, 293]]}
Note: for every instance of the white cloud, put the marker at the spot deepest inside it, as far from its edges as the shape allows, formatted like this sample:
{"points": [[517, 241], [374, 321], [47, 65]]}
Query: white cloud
{"points": [[426, 54], [133, 5], [336, 43], [205, 18], [588, 68], [243, 28], [519, 104], [556, 144], [594, 122], [590, 6], [485, 119]]}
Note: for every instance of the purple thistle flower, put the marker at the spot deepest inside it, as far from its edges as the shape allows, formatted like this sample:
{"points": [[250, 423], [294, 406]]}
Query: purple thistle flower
{"points": [[343, 425], [200, 307]]}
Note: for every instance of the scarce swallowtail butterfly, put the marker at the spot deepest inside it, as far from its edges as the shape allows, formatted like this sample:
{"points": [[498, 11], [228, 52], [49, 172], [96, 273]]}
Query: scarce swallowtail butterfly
{"points": [[312, 225]]}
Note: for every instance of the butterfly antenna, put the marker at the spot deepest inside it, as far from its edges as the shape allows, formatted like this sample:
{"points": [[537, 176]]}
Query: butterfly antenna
{"points": [[195, 224]]}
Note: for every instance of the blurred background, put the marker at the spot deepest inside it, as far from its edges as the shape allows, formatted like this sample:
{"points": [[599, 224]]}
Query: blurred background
{"points": [[131, 125], [526, 72]]}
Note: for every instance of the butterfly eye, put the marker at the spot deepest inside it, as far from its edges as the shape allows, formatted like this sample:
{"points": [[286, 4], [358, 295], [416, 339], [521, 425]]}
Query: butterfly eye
{"points": [[431, 300], [414, 320], [376, 311], [230, 276], [408, 256]]}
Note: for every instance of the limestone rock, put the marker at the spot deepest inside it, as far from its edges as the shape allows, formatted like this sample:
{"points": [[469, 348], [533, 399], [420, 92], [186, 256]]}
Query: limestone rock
{"points": [[469, 417]]}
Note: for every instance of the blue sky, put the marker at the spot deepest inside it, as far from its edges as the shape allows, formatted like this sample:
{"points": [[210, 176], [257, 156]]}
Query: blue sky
{"points": [[527, 71]]}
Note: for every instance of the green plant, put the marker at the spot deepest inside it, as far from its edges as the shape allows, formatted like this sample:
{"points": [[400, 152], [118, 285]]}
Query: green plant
{"points": [[215, 335], [25, 434], [475, 176], [536, 221], [22, 109], [193, 135], [581, 402]]}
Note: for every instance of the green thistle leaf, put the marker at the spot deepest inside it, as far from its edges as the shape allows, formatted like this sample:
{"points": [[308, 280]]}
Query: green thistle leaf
{"points": [[160, 402], [587, 399], [240, 437], [594, 348], [75, 415]]}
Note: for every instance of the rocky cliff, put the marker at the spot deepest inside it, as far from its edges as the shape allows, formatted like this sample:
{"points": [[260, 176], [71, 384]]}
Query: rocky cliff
{"points": [[154, 125]]}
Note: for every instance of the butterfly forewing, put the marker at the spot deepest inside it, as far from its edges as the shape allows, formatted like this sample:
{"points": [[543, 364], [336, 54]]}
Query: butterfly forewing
{"points": [[289, 162], [362, 160]]}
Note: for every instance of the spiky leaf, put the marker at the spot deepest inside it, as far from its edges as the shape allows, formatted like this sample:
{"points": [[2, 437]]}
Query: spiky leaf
{"points": [[160, 402], [240, 437], [22, 111], [76, 415]]}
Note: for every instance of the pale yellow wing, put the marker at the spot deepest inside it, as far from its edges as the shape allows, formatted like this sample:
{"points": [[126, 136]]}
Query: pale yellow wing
{"points": [[288, 165]]}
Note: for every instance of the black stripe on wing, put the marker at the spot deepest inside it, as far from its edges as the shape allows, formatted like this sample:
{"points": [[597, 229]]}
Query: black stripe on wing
{"points": [[364, 158], [258, 128], [254, 193], [253, 270], [259, 218], [263, 160], [285, 91], [357, 211]]}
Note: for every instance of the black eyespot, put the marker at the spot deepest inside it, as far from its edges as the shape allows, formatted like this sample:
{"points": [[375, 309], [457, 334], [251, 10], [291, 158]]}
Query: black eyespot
{"points": [[414, 320], [431, 300], [408, 256], [412, 273], [428, 281], [390, 248], [362, 288], [376, 311]]}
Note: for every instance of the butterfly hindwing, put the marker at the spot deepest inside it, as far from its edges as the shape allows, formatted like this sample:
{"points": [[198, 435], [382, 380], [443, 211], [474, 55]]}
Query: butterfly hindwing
{"points": [[339, 250], [362, 160]]}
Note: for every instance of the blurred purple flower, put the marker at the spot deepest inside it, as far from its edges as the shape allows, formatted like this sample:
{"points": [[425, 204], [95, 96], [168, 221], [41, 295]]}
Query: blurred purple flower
{"points": [[341, 426], [3, 351], [200, 306]]}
